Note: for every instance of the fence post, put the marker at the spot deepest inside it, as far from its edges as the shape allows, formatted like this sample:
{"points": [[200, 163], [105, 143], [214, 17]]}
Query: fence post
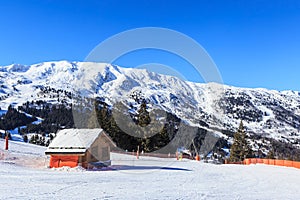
{"points": [[6, 142]]}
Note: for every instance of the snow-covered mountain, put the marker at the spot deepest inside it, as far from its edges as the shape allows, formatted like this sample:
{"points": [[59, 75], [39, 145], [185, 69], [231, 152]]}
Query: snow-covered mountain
{"points": [[268, 113]]}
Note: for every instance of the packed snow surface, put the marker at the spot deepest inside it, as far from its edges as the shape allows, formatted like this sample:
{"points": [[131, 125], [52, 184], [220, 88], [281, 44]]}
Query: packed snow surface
{"points": [[146, 178]]}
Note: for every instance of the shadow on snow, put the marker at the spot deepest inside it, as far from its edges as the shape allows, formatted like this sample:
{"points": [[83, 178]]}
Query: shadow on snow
{"points": [[129, 167]]}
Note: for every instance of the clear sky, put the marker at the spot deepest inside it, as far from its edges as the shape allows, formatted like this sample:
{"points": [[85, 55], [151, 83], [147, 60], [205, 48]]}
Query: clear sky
{"points": [[253, 43]]}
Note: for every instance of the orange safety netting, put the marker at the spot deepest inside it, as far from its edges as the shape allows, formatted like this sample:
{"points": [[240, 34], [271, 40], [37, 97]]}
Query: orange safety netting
{"points": [[286, 163]]}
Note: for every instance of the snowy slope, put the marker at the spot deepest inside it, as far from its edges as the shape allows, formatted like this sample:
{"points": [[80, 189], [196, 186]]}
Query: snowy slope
{"points": [[23, 154], [264, 112], [147, 178]]}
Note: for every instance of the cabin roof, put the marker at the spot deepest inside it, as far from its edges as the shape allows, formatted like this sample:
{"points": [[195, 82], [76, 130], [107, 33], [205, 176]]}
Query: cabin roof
{"points": [[74, 140]]}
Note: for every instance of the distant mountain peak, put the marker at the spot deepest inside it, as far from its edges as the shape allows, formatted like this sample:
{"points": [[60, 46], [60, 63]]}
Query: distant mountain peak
{"points": [[264, 112]]}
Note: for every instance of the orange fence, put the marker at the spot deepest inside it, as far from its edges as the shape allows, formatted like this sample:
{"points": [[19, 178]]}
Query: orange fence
{"points": [[286, 163]]}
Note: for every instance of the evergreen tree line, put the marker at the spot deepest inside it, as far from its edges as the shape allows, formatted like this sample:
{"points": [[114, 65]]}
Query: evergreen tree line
{"points": [[38, 140], [54, 117], [103, 117], [13, 119], [241, 149], [283, 150]]}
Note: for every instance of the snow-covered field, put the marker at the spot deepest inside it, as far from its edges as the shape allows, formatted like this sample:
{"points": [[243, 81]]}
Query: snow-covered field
{"points": [[23, 175]]}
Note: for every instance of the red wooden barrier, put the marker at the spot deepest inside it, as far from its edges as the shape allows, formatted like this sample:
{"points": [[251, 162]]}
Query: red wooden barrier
{"points": [[61, 161]]}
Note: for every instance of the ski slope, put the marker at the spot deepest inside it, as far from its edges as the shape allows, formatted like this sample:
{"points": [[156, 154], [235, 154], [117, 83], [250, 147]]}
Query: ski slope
{"points": [[146, 178]]}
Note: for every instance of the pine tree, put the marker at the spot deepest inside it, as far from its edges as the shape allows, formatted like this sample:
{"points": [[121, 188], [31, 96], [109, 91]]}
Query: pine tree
{"points": [[240, 148], [93, 120], [143, 115]]}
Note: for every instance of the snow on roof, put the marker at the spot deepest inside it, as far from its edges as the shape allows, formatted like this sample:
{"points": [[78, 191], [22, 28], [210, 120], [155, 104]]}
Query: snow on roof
{"points": [[74, 139], [65, 151]]}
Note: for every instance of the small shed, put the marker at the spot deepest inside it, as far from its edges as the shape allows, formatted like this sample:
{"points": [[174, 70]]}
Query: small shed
{"points": [[80, 147]]}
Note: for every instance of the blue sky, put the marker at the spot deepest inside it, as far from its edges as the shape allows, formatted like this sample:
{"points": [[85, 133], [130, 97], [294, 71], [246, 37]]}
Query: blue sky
{"points": [[253, 43]]}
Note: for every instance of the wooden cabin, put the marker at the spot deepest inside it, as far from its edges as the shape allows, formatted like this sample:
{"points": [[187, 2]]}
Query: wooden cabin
{"points": [[80, 147]]}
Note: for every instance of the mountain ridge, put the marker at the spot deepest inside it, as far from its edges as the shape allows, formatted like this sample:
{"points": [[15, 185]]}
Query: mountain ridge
{"points": [[268, 113]]}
